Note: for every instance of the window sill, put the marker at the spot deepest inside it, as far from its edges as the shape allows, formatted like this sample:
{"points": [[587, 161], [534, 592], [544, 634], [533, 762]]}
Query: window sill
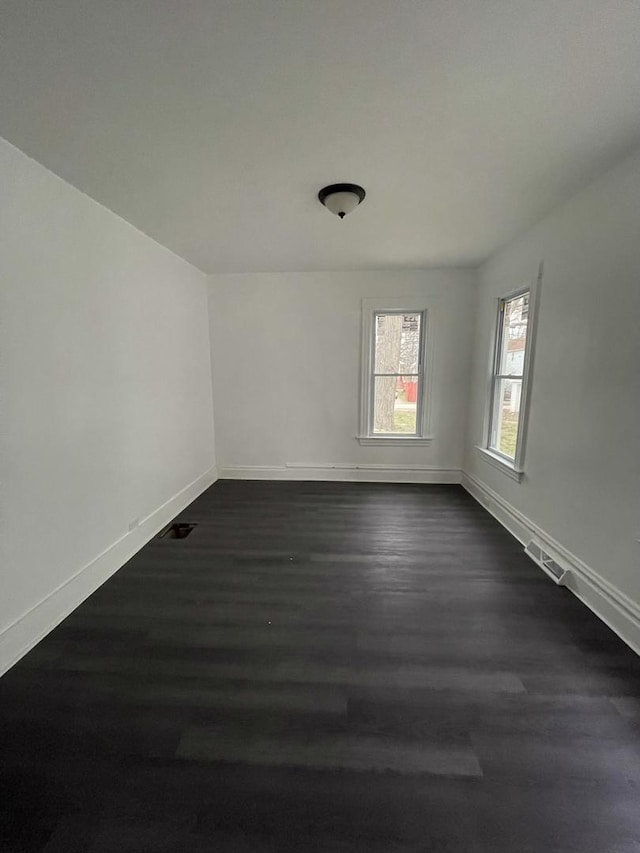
{"points": [[413, 440], [501, 464]]}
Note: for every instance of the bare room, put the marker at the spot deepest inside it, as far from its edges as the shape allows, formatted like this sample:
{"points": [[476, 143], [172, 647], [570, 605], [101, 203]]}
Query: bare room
{"points": [[319, 404]]}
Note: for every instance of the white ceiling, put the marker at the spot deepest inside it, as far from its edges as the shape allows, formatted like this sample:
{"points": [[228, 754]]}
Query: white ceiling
{"points": [[212, 124]]}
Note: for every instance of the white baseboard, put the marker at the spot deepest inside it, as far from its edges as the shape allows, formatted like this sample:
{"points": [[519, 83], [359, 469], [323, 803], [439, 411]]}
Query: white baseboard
{"points": [[23, 634], [616, 609], [343, 472]]}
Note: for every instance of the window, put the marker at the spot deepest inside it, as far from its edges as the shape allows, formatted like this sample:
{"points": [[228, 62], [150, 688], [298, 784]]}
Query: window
{"points": [[393, 392], [506, 412]]}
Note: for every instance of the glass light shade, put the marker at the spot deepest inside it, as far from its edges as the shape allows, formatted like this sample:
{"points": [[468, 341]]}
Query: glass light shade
{"points": [[341, 202]]}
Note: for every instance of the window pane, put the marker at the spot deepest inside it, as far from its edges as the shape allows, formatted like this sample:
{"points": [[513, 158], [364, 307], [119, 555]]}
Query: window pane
{"points": [[395, 404], [397, 343], [514, 335], [506, 414]]}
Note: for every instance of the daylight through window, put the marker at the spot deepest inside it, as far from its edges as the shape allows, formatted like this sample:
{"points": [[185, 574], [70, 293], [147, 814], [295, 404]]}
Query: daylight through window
{"points": [[396, 392], [508, 375]]}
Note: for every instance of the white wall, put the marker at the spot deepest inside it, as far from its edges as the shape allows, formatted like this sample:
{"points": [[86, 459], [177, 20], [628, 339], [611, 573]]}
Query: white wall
{"points": [[287, 354], [105, 395], [582, 465]]}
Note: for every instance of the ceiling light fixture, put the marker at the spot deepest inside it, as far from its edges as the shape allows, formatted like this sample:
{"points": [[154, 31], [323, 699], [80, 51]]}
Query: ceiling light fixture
{"points": [[341, 198]]}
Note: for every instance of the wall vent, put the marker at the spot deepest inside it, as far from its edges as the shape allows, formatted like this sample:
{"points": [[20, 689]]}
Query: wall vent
{"points": [[546, 562], [176, 530]]}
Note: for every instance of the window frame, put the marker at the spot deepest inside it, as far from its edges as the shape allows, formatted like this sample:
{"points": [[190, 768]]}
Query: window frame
{"points": [[371, 309], [512, 467]]}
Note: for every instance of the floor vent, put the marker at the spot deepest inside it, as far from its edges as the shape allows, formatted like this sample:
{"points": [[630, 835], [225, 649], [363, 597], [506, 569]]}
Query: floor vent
{"points": [[546, 563], [177, 530]]}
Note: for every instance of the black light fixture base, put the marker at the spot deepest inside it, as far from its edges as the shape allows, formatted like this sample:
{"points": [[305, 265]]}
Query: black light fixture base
{"points": [[341, 188]]}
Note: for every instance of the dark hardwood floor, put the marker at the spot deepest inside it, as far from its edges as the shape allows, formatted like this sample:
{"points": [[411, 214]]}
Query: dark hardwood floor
{"points": [[328, 668]]}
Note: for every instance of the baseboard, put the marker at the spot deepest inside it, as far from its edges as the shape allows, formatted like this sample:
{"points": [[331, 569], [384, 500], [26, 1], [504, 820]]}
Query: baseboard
{"points": [[343, 472], [616, 609], [23, 634]]}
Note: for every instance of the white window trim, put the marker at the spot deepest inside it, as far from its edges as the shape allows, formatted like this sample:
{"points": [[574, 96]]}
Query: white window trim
{"points": [[512, 468], [408, 305], [501, 463]]}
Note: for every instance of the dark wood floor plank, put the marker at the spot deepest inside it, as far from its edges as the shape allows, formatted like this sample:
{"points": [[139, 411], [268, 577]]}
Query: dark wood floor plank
{"points": [[339, 752], [327, 667]]}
